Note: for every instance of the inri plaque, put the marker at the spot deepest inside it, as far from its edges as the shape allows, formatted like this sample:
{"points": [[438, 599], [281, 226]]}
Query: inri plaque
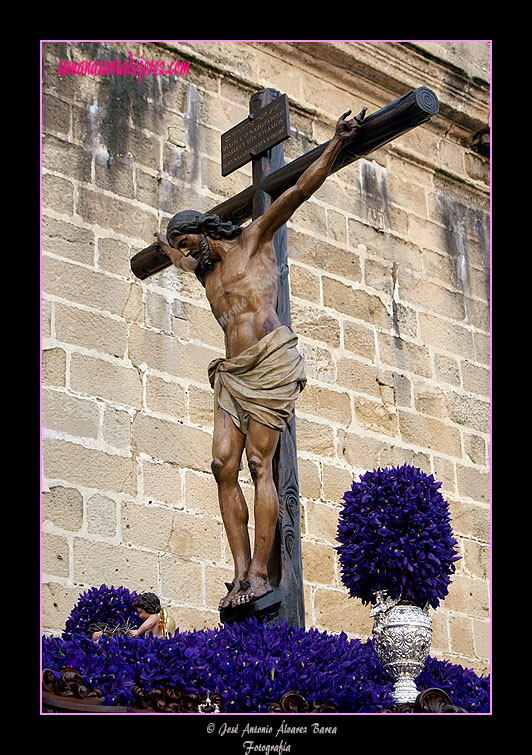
{"points": [[258, 133]]}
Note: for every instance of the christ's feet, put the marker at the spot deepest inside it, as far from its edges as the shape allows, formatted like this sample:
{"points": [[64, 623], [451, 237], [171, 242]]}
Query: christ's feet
{"points": [[233, 588], [251, 589]]}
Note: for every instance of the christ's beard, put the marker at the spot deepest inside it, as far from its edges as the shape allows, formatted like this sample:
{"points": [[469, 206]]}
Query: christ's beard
{"points": [[204, 256]]}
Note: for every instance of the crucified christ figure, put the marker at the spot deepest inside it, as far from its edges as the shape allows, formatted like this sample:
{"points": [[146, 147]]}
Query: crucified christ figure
{"points": [[256, 385]]}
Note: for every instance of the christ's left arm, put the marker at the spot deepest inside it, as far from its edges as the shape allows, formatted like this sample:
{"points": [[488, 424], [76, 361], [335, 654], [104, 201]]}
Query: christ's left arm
{"points": [[282, 209]]}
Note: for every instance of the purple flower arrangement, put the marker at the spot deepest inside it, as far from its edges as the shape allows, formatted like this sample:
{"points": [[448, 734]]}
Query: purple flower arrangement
{"points": [[395, 535], [110, 605], [251, 665]]}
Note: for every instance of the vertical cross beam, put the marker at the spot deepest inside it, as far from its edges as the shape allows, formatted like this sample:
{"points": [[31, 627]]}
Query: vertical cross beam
{"points": [[285, 567]]}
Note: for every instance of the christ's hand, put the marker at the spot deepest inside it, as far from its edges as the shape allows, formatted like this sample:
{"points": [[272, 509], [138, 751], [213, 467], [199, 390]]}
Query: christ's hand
{"points": [[165, 246], [346, 130], [179, 258]]}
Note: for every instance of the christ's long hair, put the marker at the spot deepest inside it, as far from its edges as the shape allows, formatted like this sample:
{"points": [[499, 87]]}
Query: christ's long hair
{"points": [[191, 221]]}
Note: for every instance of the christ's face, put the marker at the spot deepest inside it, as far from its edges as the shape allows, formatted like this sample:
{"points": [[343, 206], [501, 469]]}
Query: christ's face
{"points": [[186, 242]]}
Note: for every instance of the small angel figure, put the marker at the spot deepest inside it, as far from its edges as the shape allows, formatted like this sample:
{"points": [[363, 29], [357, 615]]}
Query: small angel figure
{"points": [[148, 608]]}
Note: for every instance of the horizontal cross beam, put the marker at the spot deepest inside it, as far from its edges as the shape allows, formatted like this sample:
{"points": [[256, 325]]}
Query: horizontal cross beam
{"points": [[403, 114]]}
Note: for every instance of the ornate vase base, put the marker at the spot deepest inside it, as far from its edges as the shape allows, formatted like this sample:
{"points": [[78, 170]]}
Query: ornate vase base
{"points": [[404, 689]]}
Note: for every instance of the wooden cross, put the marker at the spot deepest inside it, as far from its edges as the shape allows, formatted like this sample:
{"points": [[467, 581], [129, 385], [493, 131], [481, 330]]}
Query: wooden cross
{"points": [[259, 139]]}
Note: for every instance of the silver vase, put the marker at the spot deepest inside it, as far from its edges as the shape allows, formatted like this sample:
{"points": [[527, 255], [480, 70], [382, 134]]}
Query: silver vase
{"points": [[402, 634]]}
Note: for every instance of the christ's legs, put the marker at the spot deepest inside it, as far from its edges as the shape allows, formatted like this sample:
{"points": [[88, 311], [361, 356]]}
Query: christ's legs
{"points": [[227, 446], [261, 443]]}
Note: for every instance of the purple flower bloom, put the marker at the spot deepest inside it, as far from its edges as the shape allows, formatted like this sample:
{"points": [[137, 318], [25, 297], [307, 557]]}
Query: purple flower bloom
{"points": [[395, 535], [112, 605], [464, 687]]}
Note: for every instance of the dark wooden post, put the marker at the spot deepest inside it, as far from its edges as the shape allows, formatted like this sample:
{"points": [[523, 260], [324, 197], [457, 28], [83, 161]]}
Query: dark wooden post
{"points": [[285, 563]]}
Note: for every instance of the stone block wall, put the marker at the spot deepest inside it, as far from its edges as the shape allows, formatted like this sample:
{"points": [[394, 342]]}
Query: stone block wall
{"points": [[389, 275]]}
